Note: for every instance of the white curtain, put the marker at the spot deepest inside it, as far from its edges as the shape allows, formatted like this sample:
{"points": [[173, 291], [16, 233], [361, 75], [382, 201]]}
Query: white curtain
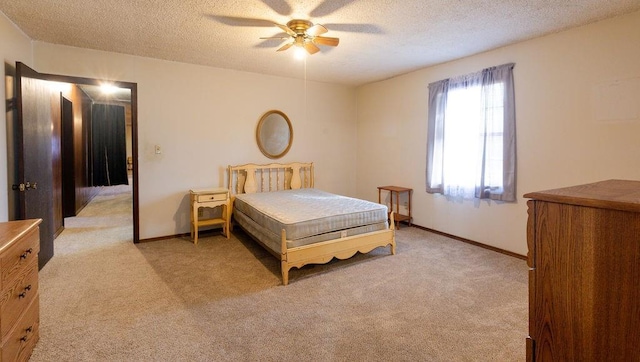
{"points": [[471, 141]]}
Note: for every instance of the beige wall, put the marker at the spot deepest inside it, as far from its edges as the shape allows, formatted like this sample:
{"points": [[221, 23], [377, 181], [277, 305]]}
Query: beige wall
{"points": [[562, 139], [205, 118], [14, 46]]}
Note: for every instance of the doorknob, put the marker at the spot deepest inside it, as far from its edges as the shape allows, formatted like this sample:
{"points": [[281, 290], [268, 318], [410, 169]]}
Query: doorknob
{"points": [[25, 186]]}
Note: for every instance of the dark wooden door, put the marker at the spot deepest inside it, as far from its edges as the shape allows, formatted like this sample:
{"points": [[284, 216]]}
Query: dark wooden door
{"points": [[38, 103], [68, 159]]}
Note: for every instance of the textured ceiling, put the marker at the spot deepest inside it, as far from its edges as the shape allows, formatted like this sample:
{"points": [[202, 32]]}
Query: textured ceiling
{"points": [[379, 39]]}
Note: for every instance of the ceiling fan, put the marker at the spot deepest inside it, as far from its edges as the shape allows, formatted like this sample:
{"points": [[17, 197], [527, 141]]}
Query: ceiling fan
{"points": [[304, 34]]}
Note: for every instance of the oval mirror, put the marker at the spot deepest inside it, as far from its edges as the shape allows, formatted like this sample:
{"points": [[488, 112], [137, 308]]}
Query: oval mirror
{"points": [[274, 134]]}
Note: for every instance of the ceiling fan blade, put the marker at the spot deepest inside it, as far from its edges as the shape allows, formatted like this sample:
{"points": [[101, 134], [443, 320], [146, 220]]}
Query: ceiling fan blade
{"points": [[285, 47], [316, 30], [286, 29], [325, 40], [310, 47]]}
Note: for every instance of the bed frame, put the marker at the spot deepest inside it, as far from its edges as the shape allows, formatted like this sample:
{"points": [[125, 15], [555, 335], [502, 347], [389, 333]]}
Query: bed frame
{"points": [[252, 178]]}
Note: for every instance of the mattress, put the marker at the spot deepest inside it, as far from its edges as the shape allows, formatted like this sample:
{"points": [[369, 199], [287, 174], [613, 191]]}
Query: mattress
{"points": [[307, 216]]}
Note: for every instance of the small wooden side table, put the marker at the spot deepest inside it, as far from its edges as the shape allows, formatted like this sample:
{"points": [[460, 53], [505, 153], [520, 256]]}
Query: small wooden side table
{"points": [[209, 198], [397, 190]]}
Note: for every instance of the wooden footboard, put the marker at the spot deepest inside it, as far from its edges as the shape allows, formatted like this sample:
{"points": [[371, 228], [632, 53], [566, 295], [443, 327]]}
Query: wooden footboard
{"points": [[342, 248]]}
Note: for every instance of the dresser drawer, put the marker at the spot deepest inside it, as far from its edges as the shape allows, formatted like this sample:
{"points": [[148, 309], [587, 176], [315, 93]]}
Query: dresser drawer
{"points": [[17, 296], [20, 342], [19, 255], [212, 197]]}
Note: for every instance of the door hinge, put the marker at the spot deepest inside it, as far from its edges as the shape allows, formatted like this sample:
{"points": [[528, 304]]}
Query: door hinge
{"points": [[19, 187], [12, 104]]}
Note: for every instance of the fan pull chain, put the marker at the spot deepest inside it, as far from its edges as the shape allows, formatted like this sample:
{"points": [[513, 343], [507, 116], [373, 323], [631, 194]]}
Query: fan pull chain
{"points": [[306, 118]]}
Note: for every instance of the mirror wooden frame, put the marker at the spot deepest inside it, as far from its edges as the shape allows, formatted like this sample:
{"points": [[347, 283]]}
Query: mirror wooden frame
{"points": [[269, 143]]}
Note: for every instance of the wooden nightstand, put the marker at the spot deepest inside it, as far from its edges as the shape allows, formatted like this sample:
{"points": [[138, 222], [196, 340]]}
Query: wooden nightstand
{"points": [[209, 198], [397, 190]]}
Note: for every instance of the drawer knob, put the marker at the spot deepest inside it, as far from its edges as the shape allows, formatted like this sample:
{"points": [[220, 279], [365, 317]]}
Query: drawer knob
{"points": [[26, 253], [24, 293], [28, 330]]}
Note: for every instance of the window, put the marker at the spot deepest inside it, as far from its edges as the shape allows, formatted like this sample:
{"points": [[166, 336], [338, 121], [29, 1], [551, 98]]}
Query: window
{"points": [[471, 135]]}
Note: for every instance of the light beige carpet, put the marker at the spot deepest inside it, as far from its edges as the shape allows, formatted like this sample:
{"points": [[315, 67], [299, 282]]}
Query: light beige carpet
{"points": [[105, 299]]}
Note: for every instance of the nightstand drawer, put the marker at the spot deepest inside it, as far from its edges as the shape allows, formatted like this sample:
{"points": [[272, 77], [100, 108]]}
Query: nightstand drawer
{"points": [[212, 197]]}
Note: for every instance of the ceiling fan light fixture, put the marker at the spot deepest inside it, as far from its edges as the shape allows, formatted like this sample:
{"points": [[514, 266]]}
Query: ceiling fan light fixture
{"points": [[299, 52], [305, 35]]}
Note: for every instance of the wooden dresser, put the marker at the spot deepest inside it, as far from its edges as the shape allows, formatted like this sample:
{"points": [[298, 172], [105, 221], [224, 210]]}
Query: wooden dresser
{"points": [[584, 278], [19, 308]]}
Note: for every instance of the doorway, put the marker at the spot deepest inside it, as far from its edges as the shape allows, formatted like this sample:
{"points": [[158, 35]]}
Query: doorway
{"points": [[37, 112]]}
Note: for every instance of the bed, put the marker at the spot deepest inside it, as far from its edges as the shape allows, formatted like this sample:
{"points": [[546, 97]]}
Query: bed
{"points": [[278, 206]]}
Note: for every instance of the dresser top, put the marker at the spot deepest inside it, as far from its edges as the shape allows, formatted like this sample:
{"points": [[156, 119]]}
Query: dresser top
{"points": [[621, 195], [11, 231]]}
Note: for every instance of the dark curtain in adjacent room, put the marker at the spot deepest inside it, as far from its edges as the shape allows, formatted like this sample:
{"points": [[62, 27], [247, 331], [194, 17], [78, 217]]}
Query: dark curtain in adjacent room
{"points": [[108, 145]]}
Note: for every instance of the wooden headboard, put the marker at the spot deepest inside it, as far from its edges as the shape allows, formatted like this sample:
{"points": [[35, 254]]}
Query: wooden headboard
{"points": [[252, 178]]}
